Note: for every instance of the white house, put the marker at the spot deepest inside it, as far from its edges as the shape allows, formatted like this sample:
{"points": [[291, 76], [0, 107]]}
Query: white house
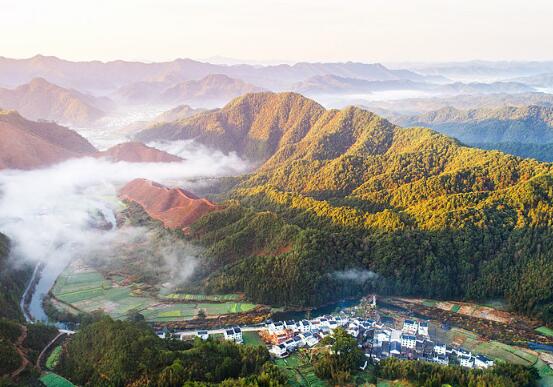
{"points": [[229, 334], [304, 326], [315, 324], [440, 349], [408, 341], [332, 324], [323, 322], [290, 324], [204, 335], [381, 336], [275, 327], [279, 350], [233, 334], [309, 339], [441, 359], [423, 328], [410, 326], [482, 361], [466, 361], [290, 345]]}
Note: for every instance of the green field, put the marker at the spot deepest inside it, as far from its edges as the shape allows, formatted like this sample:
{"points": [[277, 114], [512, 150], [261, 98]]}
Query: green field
{"points": [[299, 373], [87, 290], [252, 338], [201, 297], [54, 358], [456, 308], [54, 380], [545, 331]]}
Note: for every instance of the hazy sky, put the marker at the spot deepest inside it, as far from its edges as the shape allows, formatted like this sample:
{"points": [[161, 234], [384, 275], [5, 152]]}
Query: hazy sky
{"points": [[367, 30]]}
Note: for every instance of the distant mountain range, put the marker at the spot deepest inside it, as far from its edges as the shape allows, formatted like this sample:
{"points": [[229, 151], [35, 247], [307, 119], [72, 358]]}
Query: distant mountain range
{"points": [[414, 106], [212, 90], [40, 99], [333, 84], [103, 77]]}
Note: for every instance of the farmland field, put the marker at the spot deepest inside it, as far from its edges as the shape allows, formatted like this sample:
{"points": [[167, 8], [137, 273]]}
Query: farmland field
{"points": [[54, 358], [202, 297], [55, 380], [545, 331], [252, 338], [87, 290]]}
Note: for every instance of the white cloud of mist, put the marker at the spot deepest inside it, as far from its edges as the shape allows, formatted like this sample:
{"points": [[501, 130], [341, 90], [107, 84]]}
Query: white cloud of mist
{"points": [[355, 275], [47, 213]]}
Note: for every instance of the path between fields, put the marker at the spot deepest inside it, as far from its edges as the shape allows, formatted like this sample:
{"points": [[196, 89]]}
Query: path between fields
{"points": [[19, 348]]}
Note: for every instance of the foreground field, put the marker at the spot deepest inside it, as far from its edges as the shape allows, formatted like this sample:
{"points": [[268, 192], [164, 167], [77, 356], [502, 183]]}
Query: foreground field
{"points": [[55, 380], [83, 289]]}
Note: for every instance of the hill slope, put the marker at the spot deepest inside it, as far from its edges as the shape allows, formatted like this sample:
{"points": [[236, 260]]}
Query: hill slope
{"points": [[27, 144], [352, 193], [136, 152], [254, 126], [40, 99], [527, 124], [174, 207]]}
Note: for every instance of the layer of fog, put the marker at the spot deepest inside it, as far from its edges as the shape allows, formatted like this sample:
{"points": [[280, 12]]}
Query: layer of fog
{"points": [[111, 129], [355, 275], [49, 213]]}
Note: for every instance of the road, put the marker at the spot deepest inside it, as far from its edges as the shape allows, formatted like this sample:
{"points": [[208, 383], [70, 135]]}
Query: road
{"points": [[19, 349], [40, 358], [219, 331]]}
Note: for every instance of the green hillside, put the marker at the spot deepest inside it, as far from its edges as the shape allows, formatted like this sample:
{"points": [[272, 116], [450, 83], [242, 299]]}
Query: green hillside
{"points": [[429, 216], [12, 283], [523, 124]]}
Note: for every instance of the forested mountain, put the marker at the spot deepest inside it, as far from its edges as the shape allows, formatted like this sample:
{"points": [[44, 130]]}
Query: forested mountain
{"points": [[542, 152], [27, 144], [343, 190], [525, 131], [255, 125], [12, 283], [527, 124], [40, 99]]}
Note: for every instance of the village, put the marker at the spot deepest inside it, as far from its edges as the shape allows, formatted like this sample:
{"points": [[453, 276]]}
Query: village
{"points": [[378, 336]]}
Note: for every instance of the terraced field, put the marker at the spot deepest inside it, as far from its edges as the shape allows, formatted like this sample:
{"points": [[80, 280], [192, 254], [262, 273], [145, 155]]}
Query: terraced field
{"points": [[87, 290]]}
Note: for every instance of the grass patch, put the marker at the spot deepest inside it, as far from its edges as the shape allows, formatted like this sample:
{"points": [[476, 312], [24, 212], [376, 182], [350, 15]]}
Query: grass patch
{"points": [[54, 380], [54, 358], [456, 308], [429, 303], [545, 331], [252, 338]]}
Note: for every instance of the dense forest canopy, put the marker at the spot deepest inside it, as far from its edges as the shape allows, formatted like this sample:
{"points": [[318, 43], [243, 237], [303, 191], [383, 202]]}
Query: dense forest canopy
{"points": [[122, 353]]}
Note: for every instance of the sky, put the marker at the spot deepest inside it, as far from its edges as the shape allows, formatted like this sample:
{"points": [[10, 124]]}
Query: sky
{"points": [[283, 30]]}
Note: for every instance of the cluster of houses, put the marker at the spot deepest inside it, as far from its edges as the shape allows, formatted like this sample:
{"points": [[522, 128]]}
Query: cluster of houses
{"points": [[289, 336], [379, 340], [413, 342]]}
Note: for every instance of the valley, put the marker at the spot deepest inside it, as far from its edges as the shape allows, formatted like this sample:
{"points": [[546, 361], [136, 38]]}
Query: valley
{"points": [[206, 202]]}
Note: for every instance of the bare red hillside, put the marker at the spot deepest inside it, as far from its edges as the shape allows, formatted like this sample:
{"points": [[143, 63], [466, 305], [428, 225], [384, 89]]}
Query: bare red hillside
{"points": [[174, 207], [137, 152], [27, 144]]}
